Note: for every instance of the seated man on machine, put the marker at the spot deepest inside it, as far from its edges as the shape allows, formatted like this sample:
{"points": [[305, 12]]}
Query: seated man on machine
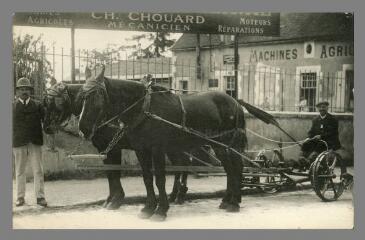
{"points": [[324, 130]]}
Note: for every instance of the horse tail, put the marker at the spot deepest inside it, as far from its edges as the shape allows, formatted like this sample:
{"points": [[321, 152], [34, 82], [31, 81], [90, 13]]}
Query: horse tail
{"points": [[265, 117], [257, 112]]}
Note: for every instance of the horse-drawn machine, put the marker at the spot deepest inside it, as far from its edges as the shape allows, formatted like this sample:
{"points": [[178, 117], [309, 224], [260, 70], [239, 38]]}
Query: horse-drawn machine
{"points": [[269, 175], [158, 123]]}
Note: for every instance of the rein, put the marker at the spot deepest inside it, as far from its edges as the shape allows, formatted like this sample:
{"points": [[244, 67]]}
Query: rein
{"points": [[122, 112]]}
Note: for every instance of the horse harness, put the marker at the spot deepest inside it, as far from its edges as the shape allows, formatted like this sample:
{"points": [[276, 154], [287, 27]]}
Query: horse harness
{"points": [[145, 113]]}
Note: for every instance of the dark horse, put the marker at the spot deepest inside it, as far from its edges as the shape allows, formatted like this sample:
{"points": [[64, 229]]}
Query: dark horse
{"points": [[213, 113], [63, 100]]}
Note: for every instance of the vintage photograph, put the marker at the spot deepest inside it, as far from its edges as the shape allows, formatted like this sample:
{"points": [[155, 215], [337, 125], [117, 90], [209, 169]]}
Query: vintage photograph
{"points": [[178, 120]]}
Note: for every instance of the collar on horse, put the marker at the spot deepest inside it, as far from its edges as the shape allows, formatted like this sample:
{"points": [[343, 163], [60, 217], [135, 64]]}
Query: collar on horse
{"points": [[96, 86]]}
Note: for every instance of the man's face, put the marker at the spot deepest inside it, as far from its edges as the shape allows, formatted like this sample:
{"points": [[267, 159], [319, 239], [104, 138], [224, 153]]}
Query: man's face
{"points": [[23, 92], [322, 109]]}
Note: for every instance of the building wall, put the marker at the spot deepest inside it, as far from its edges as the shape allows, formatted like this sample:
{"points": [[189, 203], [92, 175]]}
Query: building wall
{"points": [[273, 71]]}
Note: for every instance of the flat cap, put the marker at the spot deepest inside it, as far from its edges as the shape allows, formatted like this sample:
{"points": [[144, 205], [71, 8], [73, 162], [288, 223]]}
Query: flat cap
{"points": [[322, 103]]}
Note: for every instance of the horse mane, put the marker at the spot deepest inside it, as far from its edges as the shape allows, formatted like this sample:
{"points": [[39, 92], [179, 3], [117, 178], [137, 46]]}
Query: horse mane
{"points": [[130, 90]]}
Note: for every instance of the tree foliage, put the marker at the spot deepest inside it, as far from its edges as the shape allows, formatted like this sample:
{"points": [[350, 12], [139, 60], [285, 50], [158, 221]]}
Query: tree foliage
{"points": [[159, 44], [29, 61]]}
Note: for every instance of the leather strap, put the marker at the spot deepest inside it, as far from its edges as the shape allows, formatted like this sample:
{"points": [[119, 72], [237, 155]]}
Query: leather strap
{"points": [[183, 121]]}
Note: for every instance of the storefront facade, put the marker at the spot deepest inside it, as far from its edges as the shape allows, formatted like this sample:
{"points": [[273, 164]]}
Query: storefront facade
{"points": [[285, 74]]}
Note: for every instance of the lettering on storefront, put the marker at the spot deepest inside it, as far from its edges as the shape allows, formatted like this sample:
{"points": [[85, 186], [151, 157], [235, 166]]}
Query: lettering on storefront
{"points": [[260, 24], [49, 19], [339, 50], [273, 55]]}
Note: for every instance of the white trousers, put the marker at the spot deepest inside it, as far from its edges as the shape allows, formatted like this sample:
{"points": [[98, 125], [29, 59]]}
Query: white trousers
{"points": [[33, 154]]}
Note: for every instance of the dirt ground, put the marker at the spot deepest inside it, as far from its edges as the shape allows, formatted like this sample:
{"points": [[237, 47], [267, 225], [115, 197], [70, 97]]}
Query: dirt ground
{"points": [[297, 209]]}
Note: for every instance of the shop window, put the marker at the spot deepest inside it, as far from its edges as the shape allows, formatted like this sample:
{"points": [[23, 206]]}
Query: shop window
{"points": [[230, 86], [308, 92], [184, 86], [213, 83]]}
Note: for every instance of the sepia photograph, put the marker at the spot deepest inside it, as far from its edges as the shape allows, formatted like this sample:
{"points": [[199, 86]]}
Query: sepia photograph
{"points": [[183, 120]]}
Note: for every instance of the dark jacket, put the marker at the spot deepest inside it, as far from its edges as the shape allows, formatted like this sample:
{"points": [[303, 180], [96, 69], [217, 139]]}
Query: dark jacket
{"points": [[27, 123], [328, 129]]}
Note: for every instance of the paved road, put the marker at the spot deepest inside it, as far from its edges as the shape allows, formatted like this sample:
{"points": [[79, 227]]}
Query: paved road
{"points": [[297, 209]]}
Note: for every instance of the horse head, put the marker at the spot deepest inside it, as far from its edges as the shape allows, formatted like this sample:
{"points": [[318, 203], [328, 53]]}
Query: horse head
{"points": [[104, 97], [94, 98], [57, 105]]}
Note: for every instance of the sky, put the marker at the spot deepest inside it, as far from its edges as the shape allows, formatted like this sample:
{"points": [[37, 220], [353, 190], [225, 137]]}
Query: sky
{"points": [[86, 39]]}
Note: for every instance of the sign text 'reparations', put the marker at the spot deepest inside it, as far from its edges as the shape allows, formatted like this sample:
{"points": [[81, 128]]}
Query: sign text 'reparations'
{"points": [[260, 24]]}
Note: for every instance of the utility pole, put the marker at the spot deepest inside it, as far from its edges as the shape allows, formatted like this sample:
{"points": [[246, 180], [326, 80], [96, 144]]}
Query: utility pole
{"points": [[198, 62], [236, 61], [73, 80]]}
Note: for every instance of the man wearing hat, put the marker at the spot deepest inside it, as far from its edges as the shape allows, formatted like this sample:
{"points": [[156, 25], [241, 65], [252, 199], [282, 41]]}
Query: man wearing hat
{"points": [[324, 128], [27, 141]]}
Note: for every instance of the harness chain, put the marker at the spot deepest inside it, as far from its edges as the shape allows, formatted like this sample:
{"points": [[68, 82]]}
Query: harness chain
{"points": [[117, 136]]}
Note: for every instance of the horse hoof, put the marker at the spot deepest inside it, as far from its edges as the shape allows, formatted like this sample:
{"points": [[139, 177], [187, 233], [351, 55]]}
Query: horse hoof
{"points": [[106, 202], [223, 205], [145, 213], [233, 208], [172, 198], [115, 203], [180, 200], [158, 217]]}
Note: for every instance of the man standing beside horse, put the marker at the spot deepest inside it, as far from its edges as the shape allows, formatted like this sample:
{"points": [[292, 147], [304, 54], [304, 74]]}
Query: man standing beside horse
{"points": [[28, 115]]}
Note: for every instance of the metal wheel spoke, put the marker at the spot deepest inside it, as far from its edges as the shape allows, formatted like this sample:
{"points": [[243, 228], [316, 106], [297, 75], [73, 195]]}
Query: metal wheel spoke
{"points": [[334, 187], [324, 189]]}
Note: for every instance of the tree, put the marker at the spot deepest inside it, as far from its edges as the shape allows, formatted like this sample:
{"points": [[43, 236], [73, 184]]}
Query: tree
{"points": [[160, 44], [29, 61], [107, 56]]}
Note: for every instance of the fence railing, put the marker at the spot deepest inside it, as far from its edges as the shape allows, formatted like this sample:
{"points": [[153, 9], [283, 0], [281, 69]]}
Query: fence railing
{"points": [[268, 87]]}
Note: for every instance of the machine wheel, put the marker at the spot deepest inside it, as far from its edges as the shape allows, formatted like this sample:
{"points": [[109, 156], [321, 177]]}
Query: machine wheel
{"points": [[325, 182]]}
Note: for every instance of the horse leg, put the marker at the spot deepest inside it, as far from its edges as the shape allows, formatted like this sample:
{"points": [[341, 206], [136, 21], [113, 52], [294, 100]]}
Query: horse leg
{"points": [[236, 180], [183, 189], [110, 183], [163, 203], [145, 160], [118, 194], [183, 161], [222, 156], [109, 174], [175, 189]]}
